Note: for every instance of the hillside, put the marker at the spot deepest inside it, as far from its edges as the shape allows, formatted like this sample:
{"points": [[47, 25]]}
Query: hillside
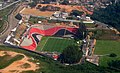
{"points": [[110, 15], [47, 65]]}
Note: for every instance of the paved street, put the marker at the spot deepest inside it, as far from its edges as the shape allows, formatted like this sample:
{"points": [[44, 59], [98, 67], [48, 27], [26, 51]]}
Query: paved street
{"points": [[10, 4], [11, 21]]}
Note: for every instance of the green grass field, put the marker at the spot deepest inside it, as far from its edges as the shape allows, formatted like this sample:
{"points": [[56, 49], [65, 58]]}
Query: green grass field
{"points": [[104, 47], [47, 65], [89, 25], [8, 60], [53, 44]]}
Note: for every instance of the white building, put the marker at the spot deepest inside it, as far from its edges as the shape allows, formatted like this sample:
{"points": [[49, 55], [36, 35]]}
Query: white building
{"points": [[1, 4], [59, 14]]}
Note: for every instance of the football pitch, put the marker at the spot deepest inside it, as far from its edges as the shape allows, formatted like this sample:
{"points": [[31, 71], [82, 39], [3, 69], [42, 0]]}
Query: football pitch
{"points": [[54, 44], [104, 47]]}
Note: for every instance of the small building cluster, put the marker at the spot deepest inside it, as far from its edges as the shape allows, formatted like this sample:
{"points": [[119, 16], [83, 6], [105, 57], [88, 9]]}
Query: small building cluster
{"points": [[88, 46], [59, 14]]}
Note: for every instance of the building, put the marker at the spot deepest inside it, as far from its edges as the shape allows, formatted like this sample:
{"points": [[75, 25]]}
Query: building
{"points": [[59, 14], [1, 4], [74, 1]]}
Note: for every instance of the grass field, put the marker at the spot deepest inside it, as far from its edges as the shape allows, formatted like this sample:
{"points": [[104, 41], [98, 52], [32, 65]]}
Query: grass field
{"points": [[89, 25], [104, 47], [8, 60], [49, 66], [34, 20], [54, 44]]}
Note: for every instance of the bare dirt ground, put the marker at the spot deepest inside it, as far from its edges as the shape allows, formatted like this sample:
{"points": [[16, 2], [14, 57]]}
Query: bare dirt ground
{"points": [[28, 11], [68, 8], [18, 66]]}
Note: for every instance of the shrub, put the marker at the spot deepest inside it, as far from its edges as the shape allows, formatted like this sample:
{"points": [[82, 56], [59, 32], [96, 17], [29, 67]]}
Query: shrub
{"points": [[115, 64], [112, 55]]}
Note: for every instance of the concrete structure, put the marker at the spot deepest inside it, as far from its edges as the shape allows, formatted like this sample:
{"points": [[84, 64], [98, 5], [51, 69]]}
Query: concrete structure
{"points": [[59, 14], [1, 4]]}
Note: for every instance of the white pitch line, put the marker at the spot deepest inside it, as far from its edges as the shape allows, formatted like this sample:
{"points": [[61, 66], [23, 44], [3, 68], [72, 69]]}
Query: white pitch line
{"points": [[44, 44]]}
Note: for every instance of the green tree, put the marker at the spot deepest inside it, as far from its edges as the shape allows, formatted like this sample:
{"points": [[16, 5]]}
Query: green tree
{"points": [[110, 15], [115, 64], [47, 1], [112, 55], [71, 54], [33, 4], [82, 31], [76, 13], [65, 2], [113, 1]]}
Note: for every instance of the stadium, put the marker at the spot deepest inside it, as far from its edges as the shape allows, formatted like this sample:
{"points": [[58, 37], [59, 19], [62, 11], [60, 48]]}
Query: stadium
{"points": [[42, 37], [52, 34]]}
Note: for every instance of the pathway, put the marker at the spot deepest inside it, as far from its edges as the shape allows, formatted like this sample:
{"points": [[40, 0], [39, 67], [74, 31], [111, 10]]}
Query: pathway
{"points": [[18, 66]]}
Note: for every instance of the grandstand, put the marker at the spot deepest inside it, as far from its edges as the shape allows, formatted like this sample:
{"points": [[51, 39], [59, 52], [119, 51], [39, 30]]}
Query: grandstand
{"points": [[37, 32]]}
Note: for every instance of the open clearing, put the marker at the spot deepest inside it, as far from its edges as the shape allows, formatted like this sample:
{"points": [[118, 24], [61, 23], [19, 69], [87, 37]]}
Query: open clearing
{"points": [[68, 8], [54, 44], [36, 12], [105, 47], [13, 62]]}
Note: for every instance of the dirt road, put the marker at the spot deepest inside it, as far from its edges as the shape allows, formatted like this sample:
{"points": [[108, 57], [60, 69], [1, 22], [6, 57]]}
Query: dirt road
{"points": [[20, 65]]}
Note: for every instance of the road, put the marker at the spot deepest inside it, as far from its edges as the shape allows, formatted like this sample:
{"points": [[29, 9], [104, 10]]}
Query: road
{"points": [[10, 4], [11, 21], [61, 19], [100, 23], [107, 26]]}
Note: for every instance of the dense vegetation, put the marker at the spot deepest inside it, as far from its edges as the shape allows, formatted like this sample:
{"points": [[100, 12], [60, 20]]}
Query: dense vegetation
{"points": [[71, 54], [81, 32], [110, 15], [49, 66], [114, 64], [49, 8], [76, 13], [34, 3], [105, 34]]}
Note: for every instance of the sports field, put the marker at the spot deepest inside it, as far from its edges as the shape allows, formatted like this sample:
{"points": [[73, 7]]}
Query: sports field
{"points": [[105, 47], [54, 44]]}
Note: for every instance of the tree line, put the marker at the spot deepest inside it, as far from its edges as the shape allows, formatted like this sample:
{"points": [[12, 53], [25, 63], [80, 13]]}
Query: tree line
{"points": [[109, 15]]}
